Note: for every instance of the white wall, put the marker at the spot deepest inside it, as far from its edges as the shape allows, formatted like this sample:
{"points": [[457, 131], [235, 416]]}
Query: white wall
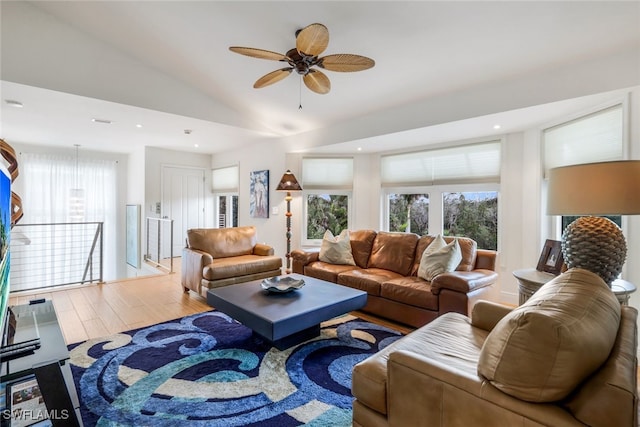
{"points": [[268, 155], [154, 160]]}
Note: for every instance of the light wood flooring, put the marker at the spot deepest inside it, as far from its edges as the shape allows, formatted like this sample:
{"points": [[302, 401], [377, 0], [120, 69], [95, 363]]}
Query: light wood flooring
{"points": [[93, 311]]}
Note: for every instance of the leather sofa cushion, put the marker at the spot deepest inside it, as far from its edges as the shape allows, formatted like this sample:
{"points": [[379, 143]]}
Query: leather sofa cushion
{"points": [[410, 290], [324, 271], [223, 242], [542, 350], [394, 252], [368, 280], [433, 341], [223, 268], [361, 243], [468, 249]]}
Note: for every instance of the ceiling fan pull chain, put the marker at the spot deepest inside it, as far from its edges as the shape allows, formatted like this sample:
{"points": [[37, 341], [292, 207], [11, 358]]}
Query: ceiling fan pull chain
{"points": [[300, 94]]}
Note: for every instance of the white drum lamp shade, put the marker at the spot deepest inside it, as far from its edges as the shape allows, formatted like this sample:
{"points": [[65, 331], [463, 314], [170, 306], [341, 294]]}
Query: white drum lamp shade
{"points": [[607, 188]]}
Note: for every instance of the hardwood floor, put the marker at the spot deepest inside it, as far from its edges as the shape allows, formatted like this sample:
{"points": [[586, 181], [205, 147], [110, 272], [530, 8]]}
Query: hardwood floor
{"points": [[93, 311]]}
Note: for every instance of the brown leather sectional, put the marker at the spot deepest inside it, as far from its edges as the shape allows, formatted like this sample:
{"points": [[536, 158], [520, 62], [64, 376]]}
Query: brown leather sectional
{"points": [[386, 268]]}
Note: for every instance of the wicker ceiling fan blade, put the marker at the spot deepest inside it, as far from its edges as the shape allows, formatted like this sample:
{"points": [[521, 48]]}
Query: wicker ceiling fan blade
{"points": [[258, 53], [312, 40], [345, 62], [317, 81], [272, 77]]}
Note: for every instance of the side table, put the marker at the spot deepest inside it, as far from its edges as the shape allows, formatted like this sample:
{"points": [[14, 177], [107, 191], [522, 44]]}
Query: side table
{"points": [[530, 280]]}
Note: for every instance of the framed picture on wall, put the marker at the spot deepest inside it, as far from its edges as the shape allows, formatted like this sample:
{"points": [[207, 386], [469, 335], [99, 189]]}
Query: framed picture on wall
{"points": [[551, 259], [259, 194]]}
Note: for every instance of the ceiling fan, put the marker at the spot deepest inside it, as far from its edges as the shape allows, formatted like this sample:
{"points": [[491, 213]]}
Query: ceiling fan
{"points": [[311, 41]]}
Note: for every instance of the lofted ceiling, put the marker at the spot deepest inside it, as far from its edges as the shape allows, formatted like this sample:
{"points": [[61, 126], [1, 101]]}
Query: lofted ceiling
{"points": [[444, 71]]}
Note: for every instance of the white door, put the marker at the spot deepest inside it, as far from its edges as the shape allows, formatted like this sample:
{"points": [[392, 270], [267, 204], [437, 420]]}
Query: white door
{"points": [[183, 202]]}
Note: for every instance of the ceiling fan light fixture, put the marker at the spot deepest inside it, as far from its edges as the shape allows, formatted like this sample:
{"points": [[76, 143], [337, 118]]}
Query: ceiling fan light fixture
{"points": [[311, 41]]}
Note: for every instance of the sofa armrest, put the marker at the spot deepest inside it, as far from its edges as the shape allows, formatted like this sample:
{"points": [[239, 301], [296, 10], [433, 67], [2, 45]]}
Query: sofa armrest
{"points": [[486, 314], [193, 262], [444, 390], [486, 259], [262, 250], [301, 258], [463, 281]]}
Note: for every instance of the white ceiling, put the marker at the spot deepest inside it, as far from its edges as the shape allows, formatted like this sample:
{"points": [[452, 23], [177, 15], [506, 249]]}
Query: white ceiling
{"points": [[166, 65]]}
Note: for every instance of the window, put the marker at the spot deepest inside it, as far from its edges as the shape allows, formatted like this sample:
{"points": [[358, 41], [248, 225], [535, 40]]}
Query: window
{"points": [[227, 208], [326, 212], [453, 191], [471, 163], [596, 137], [51, 182], [327, 189], [225, 183], [408, 212], [473, 215]]}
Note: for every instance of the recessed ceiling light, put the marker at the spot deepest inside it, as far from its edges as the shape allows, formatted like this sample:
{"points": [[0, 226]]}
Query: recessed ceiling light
{"points": [[196, 145], [104, 121], [497, 126], [13, 103], [359, 148], [138, 125]]}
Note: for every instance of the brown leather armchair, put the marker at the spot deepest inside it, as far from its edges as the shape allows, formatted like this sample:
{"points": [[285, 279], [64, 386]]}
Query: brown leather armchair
{"points": [[567, 357], [217, 257]]}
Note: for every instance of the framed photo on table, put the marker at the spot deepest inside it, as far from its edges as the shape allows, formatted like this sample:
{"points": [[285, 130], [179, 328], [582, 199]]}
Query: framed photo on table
{"points": [[551, 259]]}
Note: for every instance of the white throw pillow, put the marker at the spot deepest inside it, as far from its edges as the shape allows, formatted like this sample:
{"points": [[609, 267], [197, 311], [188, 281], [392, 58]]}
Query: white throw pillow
{"points": [[439, 257], [336, 250]]}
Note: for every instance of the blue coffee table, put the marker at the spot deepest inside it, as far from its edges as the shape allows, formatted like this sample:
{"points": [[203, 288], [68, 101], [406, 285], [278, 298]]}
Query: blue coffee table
{"points": [[286, 319]]}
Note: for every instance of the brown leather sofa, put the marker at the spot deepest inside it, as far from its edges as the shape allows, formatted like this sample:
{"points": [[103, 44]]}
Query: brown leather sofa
{"points": [[386, 268], [217, 257], [580, 371]]}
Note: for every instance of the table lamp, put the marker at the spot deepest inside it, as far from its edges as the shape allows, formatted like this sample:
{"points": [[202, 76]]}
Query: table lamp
{"points": [[607, 188], [288, 183]]}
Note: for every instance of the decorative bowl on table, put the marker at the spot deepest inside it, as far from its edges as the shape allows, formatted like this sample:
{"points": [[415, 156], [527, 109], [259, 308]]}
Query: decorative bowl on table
{"points": [[282, 284]]}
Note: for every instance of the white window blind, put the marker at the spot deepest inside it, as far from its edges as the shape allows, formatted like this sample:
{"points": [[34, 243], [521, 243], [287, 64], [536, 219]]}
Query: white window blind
{"points": [[463, 164], [327, 173], [225, 180], [593, 138]]}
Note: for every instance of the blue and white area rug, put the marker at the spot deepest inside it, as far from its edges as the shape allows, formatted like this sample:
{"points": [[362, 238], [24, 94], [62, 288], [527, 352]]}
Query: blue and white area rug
{"points": [[209, 370]]}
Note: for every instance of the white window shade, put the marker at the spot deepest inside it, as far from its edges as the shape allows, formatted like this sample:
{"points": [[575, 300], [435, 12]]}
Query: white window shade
{"points": [[225, 180], [463, 164], [597, 137], [327, 173]]}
